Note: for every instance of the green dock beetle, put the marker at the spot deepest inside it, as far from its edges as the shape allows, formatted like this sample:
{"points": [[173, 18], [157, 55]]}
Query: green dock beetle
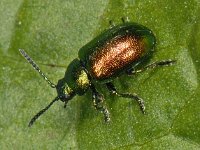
{"points": [[122, 49]]}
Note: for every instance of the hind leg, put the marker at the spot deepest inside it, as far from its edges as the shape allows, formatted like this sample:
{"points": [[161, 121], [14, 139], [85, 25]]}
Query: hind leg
{"points": [[152, 66], [133, 96]]}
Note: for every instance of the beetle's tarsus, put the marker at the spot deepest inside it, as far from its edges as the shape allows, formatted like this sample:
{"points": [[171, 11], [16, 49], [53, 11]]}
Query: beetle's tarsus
{"points": [[134, 96]]}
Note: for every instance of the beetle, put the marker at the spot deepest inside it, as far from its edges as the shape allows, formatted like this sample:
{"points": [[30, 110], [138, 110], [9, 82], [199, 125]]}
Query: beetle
{"points": [[121, 49]]}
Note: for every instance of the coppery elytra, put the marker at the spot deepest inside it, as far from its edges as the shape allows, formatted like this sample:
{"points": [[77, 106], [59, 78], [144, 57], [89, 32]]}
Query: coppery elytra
{"points": [[122, 49]]}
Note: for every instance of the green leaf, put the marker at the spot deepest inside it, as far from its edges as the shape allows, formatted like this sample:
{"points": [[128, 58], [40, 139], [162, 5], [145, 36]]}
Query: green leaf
{"points": [[52, 32]]}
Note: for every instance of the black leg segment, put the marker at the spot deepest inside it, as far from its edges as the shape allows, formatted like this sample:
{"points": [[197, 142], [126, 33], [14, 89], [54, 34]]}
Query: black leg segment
{"points": [[125, 19], [134, 96], [111, 23], [98, 103], [152, 66], [65, 104]]}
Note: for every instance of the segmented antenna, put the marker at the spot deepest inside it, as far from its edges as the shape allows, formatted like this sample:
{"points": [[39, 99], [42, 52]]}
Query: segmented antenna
{"points": [[35, 66], [41, 112]]}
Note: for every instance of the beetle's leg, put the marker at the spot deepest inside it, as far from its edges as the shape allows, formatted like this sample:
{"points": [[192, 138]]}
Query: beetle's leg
{"points": [[112, 24], [134, 96], [65, 104], [152, 66], [125, 19], [98, 103]]}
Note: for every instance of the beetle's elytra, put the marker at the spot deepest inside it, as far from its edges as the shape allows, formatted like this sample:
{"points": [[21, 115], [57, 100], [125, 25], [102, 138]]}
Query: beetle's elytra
{"points": [[117, 50], [122, 49]]}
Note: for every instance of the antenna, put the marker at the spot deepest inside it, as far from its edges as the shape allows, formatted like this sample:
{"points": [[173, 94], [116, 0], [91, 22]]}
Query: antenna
{"points": [[42, 111], [35, 66]]}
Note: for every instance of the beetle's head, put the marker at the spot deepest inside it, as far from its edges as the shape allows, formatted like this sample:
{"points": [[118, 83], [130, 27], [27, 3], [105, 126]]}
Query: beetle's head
{"points": [[75, 81], [65, 93]]}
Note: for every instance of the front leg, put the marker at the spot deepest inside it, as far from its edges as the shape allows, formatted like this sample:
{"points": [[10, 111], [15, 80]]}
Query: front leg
{"points": [[134, 96], [65, 104], [98, 103], [152, 66]]}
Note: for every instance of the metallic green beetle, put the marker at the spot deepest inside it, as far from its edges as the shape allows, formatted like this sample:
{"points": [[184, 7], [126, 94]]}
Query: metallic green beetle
{"points": [[124, 48]]}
